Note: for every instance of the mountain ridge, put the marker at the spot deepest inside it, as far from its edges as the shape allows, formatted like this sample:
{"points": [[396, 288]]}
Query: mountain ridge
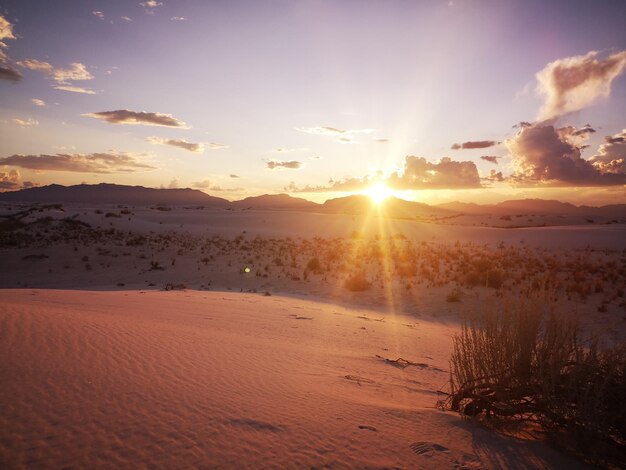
{"points": [[106, 193]]}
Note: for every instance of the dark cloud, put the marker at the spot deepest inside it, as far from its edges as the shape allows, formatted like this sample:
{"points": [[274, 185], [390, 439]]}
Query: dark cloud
{"points": [[9, 73], [233, 176], [273, 164], [584, 130], [80, 163], [549, 156], [475, 144], [124, 116], [522, 124], [573, 83], [490, 159], [180, 143]]}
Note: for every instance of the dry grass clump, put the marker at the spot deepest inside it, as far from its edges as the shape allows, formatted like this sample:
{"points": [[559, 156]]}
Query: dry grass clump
{"points": [[520, 364]]}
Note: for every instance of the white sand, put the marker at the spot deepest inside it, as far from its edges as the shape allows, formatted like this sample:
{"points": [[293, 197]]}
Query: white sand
{"points": [[206, 379]]}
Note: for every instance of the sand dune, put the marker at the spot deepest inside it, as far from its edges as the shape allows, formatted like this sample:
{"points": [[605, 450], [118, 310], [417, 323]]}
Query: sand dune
{"points": [[180, 379]]}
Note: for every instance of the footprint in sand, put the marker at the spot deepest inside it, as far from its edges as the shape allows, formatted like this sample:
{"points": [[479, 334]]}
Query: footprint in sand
{"points": [[358, 380], [443, 455], [299, 317]]}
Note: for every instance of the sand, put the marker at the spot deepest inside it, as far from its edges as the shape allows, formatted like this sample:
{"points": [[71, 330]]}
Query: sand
{"points": [[198, 379], [138, 340]]}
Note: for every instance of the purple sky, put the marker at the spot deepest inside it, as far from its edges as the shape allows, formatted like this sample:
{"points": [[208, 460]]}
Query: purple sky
{"points": [[318, 96]]}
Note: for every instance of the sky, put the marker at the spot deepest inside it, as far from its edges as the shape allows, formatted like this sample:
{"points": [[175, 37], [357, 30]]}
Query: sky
{"points": [[471, 100]]}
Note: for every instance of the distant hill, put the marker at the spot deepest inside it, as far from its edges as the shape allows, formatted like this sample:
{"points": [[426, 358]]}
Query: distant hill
{"points": [[275, 202], [391, 207], [355, 205], [535, 206], [113, 194]]}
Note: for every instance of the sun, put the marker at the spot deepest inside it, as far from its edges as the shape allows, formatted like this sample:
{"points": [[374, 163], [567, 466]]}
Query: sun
{"points": [[378, 193]]}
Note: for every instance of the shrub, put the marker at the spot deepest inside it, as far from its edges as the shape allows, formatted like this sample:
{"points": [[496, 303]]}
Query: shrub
{"points": [[314, 265], [357, 282], [523, 365], [454, 296]]}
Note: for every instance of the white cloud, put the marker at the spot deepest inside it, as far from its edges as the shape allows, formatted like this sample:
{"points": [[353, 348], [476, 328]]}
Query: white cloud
{"points": [[25, 122], [573, 83], [180, 143], [74, 89]]}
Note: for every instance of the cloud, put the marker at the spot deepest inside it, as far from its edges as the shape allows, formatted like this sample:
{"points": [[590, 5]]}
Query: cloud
{"points": [[343, 136], [419, 173], [126, 18], [7, 72], [63, 77], [11, 181], [124, 116], [273, 164], [10, 74], [74, 89], [285, 150], [548, 156], [321, 130], [490, 159], [151, 4], [6, 31], [179, 18], [98, 14], [475, 144], [38, 65], [494, 176], [233, 176], [25, 122], [573, 83], [208, 186], [38, 102], [76, 71], [79, 163], [611, 156], [216, 146], [181, 143]]}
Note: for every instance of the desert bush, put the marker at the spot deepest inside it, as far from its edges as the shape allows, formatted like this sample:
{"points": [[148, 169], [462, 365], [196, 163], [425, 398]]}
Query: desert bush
{"points": [[454, 296], [526, 365], [357, 282], [314, 265]]}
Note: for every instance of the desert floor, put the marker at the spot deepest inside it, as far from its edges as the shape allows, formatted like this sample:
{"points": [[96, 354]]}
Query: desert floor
{"points": [[187, 337]]}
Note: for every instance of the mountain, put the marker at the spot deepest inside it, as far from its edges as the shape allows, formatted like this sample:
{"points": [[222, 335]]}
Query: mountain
{"points": [[354, 205], [538, 206], [113, 194], [275, 202], [535, 206], [465, 207], [391, 207]]}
